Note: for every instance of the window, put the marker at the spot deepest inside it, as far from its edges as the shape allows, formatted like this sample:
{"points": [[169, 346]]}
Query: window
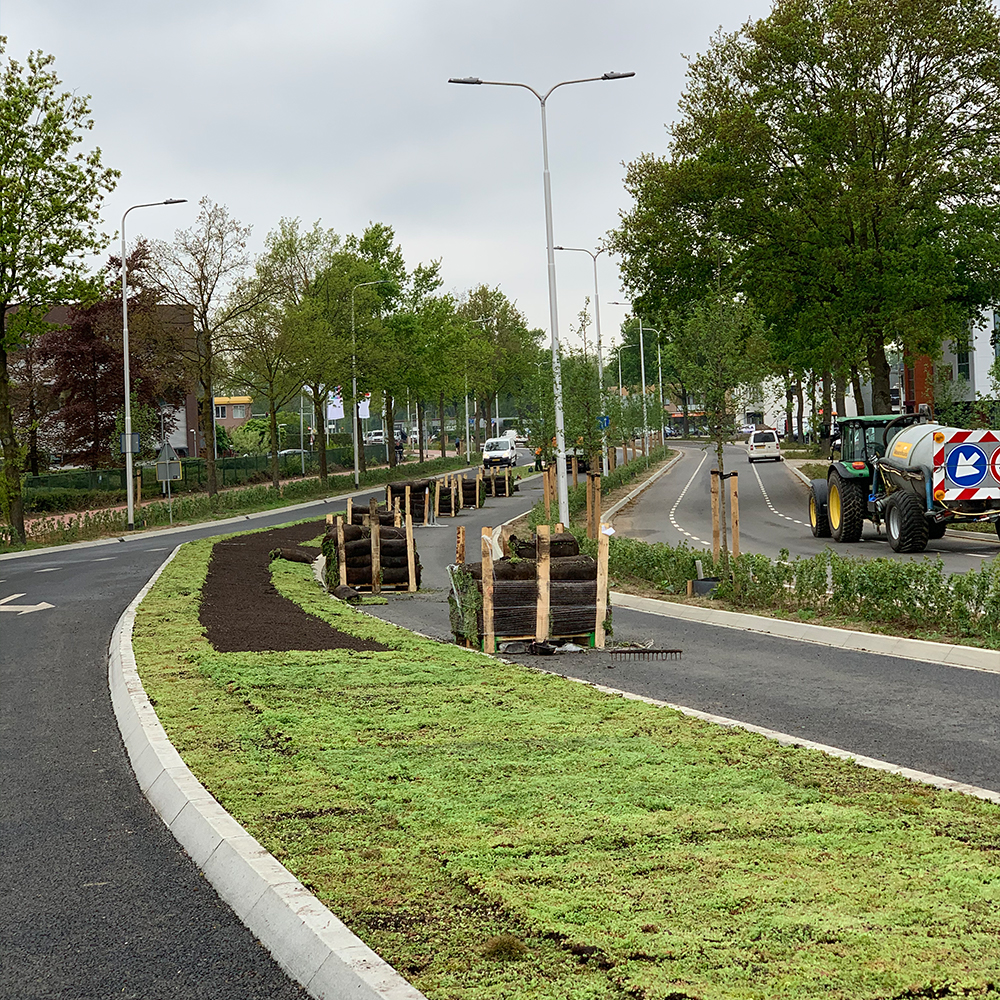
{"points": [[220, 413], [964, 370], [239, 411]]}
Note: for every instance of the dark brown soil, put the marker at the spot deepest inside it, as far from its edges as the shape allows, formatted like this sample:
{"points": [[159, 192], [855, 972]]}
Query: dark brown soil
{"points": [[241, 610]]}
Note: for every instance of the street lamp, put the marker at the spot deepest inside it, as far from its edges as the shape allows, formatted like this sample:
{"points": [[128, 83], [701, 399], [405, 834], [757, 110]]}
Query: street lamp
{"points": [[642, 370], [354, 378], [562, 486], [600, 360], [129, 486]]}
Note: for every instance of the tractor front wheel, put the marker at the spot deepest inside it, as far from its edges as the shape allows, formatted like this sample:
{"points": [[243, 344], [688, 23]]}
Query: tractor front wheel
{"points": [[846, 509], [905, 524]]}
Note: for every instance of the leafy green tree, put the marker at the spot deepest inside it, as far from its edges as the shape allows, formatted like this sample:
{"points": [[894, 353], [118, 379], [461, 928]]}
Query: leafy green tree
{"points": [[204, 270], [839, 163], [50, 201]]}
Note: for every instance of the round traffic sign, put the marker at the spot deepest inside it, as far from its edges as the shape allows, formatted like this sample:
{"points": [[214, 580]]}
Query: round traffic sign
{"points": [[966, 465], [995, 465]]}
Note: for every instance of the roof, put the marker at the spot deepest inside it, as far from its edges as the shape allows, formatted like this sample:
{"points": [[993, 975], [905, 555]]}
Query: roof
{"points": [[222, 400]]}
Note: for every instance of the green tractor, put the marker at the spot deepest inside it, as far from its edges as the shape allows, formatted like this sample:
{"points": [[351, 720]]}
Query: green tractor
{"points": [[909, 474]]}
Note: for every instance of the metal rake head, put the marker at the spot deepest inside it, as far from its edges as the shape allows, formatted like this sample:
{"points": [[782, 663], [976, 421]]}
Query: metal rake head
{"points": [[645, 654]]}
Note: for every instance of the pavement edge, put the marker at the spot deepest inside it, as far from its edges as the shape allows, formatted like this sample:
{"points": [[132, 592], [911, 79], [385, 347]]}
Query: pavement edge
{"points": [[308, 941]]}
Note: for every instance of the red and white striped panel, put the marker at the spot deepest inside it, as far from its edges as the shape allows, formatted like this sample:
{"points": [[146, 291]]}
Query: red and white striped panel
{"points": [[990, 487]]}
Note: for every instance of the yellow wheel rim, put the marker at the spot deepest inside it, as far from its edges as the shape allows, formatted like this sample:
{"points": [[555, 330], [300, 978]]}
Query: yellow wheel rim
{"points": [[812, 511], [833, 507]]}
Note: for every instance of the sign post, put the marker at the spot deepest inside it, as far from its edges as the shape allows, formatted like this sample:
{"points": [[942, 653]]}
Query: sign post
{"points": [[168, 468]]}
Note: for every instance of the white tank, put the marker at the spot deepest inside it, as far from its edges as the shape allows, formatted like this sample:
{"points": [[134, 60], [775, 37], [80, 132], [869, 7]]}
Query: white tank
{"points": [[914, 446]]}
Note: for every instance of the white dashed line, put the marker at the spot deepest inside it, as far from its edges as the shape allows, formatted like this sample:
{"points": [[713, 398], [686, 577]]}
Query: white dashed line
{"points": [[104, 559], [673, 510], [767, 499], [51, 569]]}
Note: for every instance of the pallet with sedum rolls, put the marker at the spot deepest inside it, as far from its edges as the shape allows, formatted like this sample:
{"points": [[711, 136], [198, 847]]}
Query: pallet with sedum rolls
{"points": [[372, 556], [542, 589]]}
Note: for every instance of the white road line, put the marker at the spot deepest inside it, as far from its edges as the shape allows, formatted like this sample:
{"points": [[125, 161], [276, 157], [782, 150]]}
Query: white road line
{"points": [[105, 559], [51, 569], [680, 497], [767, 499]]}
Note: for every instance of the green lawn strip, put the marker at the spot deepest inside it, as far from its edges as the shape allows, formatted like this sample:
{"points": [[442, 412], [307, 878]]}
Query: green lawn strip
{"points": [[436, 800]]}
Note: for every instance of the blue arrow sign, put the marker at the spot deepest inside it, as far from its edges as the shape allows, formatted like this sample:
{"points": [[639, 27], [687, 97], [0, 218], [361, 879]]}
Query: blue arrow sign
{"points": [[966, 465], [604, 422]]}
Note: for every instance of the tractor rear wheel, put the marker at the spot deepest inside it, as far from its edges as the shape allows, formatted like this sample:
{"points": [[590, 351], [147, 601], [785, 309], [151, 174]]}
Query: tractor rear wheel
{"points": [[846, 509], [817, 509], [905, 524]]}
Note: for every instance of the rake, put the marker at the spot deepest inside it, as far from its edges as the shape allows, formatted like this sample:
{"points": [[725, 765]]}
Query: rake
{"points": [[645, 654]]}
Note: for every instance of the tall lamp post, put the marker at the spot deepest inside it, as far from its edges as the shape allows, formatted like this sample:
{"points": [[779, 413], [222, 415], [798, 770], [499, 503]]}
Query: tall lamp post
{"points": [[600, 360], [642, 372], [354, 378], [562, 485], [129, 485]]}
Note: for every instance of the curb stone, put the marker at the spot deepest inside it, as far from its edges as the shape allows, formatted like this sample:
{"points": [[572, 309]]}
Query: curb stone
{"points": [[309, 943]]}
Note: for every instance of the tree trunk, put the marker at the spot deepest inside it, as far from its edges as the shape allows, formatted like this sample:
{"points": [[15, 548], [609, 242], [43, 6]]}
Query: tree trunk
{"points": [[32, 431], [444, 437], [272, 419], [475, 413], [859, 400], [789, 396], [685, 420], [390, 431], [723, 534], [420, 431], [362, 463], [826, 423], [878, 365], [800, 398], [11, 498], [840, 394], [319, 418]]}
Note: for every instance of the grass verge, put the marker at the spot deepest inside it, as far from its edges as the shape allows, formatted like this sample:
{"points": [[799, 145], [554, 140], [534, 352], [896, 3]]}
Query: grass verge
{"points": [[497, 832]]}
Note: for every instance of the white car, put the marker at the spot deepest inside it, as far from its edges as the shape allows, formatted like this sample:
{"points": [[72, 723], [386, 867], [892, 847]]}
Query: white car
{"points": [[763, 444], [375, 437], [499, 452]]}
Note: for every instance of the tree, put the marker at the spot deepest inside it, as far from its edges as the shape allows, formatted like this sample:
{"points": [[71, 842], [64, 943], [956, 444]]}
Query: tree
{"points": [[50, 200], [723, 358], [844, 156], [203, 270]]}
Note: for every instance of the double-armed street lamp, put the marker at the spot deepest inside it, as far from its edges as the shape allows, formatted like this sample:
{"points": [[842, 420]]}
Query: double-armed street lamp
{"points": [[354, 379], [597, 322], [562, 486], [129, 485]]}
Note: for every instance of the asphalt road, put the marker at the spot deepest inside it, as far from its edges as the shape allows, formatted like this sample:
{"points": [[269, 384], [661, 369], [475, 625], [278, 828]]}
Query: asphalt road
{"points": [[773, 514]]}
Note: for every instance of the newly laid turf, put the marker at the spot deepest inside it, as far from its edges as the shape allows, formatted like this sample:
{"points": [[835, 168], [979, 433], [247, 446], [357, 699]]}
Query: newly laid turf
{"points": [[499, 833]]}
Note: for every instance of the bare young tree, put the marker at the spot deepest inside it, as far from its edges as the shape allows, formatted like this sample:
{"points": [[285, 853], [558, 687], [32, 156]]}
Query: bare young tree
{"points": [[203, 269]]}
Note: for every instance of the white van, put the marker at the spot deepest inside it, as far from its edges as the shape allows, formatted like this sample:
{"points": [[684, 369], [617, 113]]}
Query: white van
{"points": [[763, 444], [499, 452], [375, 437]]}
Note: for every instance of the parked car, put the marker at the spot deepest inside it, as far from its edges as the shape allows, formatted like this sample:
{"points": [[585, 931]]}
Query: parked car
{"points": [[763, 444], [499, 453], [375, 437]]}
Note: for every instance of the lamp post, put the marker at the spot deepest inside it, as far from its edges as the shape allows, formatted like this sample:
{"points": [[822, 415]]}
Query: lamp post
{"points": [[642, 373], [354, 378], [129, 485], [562, 486], [600, 360]]}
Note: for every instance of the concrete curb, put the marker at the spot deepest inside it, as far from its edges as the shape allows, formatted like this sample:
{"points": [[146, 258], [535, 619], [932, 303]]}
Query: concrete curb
{"points": [[964, 657], [305, 938]]}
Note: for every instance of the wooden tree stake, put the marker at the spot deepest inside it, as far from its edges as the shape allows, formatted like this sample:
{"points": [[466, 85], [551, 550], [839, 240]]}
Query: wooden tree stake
{"points": [[590, 506], [460, 545], [350, 511], [489, 639], [341, 553], [406, 500], [715, 514], [376, 534], [437, 498], [542, 581], [603, 545], [734, 505], [575, 466], [411, 562]]}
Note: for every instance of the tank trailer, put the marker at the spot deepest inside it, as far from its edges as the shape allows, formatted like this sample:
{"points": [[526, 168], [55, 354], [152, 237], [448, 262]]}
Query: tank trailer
{"points": [[909, 474]]}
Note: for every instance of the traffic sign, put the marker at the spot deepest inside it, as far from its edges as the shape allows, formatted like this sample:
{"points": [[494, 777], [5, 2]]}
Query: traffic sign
{"points": [[966, 465], [168, 465], [995, 465], [604, 422], [129, 443]]}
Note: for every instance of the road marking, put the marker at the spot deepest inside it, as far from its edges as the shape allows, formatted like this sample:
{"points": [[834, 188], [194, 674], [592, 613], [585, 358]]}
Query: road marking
{"points": [[51, 569], [22, 609], [767, 499], [673, 510], [105, 559], [162, 548]]}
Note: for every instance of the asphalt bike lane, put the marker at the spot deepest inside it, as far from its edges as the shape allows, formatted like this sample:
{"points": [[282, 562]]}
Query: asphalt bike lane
{"points": [[98, 900]]}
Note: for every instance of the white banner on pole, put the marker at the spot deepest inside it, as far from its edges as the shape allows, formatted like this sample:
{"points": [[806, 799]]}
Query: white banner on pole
{"points": [[364, 408], [335, 407]]}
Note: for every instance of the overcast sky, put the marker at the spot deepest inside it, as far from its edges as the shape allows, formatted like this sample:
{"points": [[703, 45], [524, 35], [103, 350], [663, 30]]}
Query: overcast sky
{"points": [[341, 111]]}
